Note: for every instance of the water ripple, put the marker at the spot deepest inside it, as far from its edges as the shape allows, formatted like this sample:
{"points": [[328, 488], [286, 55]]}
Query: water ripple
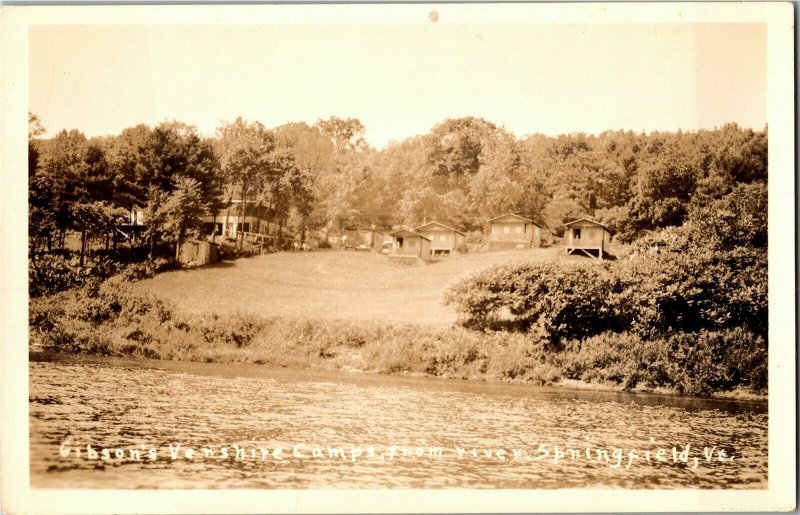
{"points": [[112, 406]]}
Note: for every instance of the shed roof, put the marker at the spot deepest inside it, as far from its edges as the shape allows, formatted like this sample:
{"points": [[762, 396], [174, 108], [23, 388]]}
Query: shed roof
{"points": [[513, 216], [423, 227], [406, 232], [590, 222]]}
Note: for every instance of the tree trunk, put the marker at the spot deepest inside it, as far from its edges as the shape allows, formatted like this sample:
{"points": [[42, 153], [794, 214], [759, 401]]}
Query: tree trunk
{"points": [[178, 248], [83, 245], [240, 226]]}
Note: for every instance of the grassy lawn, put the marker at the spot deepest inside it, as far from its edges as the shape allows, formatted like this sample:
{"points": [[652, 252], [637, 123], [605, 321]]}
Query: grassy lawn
{"points": [[345, 285]]}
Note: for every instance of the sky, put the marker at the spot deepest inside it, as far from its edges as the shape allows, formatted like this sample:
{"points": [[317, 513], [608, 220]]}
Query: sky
{"points": [[401, 80]]}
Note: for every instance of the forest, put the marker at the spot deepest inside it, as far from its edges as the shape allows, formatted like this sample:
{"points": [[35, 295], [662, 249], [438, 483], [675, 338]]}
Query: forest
{"points": [[324, 177]]}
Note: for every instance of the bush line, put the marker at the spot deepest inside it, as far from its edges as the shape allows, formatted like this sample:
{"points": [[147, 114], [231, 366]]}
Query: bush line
{"points": [[108, 318]]}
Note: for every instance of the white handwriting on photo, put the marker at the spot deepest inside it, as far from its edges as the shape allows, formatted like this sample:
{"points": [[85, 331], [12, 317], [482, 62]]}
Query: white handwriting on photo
{"points": [[680, 455]]}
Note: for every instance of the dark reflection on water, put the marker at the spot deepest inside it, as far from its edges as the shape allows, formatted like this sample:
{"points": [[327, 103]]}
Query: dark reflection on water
{"points": [[117, 403]]}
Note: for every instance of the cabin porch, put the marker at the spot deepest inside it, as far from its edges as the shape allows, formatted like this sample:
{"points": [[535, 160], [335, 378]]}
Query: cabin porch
{"points": [[594, 249]]}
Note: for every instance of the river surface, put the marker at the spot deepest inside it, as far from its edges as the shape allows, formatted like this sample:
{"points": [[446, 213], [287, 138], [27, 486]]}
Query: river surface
{"points": [[299, 429]]}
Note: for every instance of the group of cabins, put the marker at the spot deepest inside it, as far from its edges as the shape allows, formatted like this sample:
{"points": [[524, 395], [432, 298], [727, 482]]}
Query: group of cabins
{"points": [[429, 241], [434, 239], [510, 231]]}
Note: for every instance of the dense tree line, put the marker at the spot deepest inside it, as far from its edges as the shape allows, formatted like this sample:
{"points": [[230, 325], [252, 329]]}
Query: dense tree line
{"points": [[323, 177], [468, 170]]}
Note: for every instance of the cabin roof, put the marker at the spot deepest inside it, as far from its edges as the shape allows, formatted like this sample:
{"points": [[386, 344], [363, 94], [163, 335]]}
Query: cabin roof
{"points": [[590, 222], [424, 226], [406, 232], [515, 216]]}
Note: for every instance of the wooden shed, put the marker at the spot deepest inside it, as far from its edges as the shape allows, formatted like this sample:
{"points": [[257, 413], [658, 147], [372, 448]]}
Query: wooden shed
{"points": [[445, 240], [198, 252], [409, 246], [513, 231], [588, 237]]}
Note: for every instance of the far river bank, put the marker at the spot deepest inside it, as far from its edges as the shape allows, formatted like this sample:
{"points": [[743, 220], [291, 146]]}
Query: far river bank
{"points": [[326, 370]]}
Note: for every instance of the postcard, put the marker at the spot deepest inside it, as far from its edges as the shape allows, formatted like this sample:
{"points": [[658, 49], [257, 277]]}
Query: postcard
{"points": [[398, 258]]}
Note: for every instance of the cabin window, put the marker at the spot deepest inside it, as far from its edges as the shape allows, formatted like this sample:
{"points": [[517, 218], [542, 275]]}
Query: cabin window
{"points": [[399, 243], [518, 229], [495, 229], [576, 234], [412, 244], [506, 229], [442, 237]]}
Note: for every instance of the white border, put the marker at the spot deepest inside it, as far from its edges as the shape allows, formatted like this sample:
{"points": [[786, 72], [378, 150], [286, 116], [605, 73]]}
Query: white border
{"points": [[16, 494]]}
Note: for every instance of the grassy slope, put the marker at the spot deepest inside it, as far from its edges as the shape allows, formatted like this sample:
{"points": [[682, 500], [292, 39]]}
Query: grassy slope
{"points": [[329, 285]]}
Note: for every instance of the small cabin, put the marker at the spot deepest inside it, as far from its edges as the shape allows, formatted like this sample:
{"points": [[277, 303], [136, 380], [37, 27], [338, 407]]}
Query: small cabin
{"points": [[512, 231], [363, 238], [587, 237], [445, 240], [409, 246]]}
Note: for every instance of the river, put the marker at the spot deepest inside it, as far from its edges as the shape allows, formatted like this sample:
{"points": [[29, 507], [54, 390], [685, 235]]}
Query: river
{"points": [[193, 425]]}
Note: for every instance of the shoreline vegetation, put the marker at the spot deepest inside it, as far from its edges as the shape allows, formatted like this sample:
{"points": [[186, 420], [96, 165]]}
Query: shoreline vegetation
{"points": [[239, 369], [404, 350]]}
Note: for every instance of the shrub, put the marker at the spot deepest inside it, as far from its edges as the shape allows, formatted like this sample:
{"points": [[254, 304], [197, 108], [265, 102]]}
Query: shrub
{"points": [[136, 272], [51, 273], [667, 285], [564, 300], [608, 357], [229, 250], [738, 219], [232, 330], [710, 361], [693, 363]]}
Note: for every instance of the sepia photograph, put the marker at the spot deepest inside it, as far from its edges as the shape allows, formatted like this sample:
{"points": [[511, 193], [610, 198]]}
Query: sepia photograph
{"points": [[455, 257]]}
